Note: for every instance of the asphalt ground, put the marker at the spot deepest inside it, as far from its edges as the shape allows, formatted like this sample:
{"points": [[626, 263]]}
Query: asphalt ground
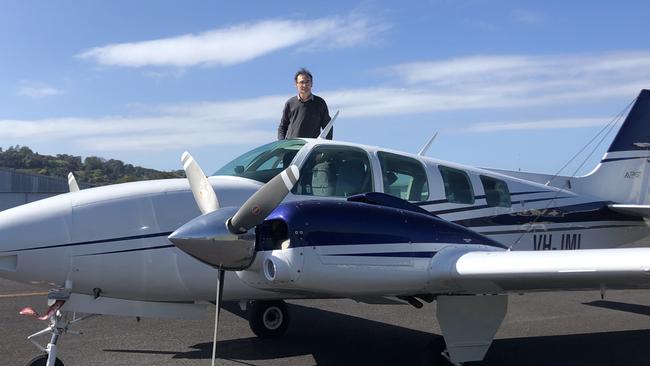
{"points": [[556, 328], [561, 328]]}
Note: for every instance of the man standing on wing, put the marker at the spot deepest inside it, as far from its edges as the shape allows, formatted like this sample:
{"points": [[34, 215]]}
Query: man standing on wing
{"points": [[305, 114]]}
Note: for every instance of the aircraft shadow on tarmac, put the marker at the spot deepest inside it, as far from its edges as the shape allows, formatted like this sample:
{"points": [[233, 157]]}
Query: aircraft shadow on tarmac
{"points": [[334, 339], [622, 306]]}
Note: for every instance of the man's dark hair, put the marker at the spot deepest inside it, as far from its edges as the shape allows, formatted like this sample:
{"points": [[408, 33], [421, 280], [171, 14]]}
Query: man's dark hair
{"points": [[303, 71]]}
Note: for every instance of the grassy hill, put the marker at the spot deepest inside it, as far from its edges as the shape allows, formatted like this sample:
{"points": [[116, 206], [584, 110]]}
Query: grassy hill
{"points": [[93, 170]]}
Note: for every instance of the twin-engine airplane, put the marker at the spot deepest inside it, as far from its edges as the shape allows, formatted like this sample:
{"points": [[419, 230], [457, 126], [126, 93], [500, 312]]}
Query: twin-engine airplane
{"points": [[313, 218]]}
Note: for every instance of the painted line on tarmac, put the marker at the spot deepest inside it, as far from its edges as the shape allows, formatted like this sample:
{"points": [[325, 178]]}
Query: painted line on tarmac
{"points": [[8, 296]]}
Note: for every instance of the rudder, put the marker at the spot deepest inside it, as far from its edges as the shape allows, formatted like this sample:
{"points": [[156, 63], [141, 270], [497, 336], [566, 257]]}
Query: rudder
{"points": [[622, 176]]}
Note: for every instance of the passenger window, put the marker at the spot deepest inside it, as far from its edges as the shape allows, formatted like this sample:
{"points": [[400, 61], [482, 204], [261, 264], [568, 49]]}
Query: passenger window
{"points": [[334, 171], [403, 177], [496, 192], [458, 188]]}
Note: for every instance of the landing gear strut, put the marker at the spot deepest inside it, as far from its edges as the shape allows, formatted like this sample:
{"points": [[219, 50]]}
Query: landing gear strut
{"points": [[59, 324], [268, 319]]}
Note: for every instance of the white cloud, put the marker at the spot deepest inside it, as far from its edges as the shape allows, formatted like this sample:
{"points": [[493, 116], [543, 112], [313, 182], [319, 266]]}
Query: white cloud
{"points": [[37, 90], [179, 126], [471, 83], [237, 44], [523, 80], [560, 123]]}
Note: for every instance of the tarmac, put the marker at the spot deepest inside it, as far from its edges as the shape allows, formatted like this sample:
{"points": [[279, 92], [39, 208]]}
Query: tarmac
{"points": [[559, 328]]}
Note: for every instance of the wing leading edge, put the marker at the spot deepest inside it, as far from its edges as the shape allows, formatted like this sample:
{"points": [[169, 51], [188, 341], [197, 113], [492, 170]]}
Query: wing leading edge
{"points": [[529, 271]]}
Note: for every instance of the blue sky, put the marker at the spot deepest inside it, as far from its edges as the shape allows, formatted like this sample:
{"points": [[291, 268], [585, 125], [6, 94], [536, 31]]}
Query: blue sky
{"points": [[507, 84]]}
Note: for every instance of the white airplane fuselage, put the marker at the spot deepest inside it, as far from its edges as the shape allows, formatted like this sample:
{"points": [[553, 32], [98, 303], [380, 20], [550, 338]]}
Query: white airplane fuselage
{"points": [[114, 238]]}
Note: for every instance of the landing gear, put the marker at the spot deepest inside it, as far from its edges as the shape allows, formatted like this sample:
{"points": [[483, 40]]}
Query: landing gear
{"points": [[42, 361], [59, 325], [268, 319], [441, 354]]}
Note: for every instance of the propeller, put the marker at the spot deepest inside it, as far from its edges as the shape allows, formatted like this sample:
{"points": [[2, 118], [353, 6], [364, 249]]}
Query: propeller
{"points": [[265, 200], [201, 188], [220, 236], [72, 183]]}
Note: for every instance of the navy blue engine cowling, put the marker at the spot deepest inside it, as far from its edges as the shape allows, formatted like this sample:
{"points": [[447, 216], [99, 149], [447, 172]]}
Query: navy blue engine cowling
{"points": [[370, 218]]}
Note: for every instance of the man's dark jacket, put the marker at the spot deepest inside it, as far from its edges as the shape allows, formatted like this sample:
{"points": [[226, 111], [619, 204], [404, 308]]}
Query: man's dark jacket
{"points": [[304, 119]]}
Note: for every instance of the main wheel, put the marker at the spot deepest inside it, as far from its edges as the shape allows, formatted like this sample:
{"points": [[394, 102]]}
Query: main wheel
{"points": [[42, 361], [268, 319]]}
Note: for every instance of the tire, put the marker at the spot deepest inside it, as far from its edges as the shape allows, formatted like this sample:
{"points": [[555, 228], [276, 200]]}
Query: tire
{"points": [[268, 319], [41, 360], [439, 346]]}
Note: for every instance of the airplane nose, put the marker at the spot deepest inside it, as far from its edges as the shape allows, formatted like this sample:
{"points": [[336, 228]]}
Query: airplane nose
{"points": [[31, 237]]}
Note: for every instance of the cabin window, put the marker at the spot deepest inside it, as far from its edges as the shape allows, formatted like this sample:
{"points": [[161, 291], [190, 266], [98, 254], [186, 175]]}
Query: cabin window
{"points": [[496, 192], [458, 188], [334, 171], [403, 177]]}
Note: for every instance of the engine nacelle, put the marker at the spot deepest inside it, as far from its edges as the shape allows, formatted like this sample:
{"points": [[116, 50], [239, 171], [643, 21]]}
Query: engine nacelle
{"points": [[372, 243]]}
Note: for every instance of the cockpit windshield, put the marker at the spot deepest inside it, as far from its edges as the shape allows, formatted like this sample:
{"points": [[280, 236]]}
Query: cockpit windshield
{"points": [[264, 162]]}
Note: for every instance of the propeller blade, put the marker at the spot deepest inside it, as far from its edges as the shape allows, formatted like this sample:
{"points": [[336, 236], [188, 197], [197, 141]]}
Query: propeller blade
{"points": [[204, 195], [72, 183], [265, 200], [217, 311]]}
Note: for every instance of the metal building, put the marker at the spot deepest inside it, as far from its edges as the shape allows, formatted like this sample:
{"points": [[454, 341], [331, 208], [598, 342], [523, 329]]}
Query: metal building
{"points": [[17, 188]]}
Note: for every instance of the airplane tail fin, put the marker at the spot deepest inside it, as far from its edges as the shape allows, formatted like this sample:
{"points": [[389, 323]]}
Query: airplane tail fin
{"points": [[623, 174]]}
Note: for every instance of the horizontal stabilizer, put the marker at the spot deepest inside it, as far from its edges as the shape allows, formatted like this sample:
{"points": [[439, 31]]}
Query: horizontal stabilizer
{"points": [[634, 210]]}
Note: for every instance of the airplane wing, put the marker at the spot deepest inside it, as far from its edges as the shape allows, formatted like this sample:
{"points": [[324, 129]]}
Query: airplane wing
{"points": [[634, 210], [529, 271]]}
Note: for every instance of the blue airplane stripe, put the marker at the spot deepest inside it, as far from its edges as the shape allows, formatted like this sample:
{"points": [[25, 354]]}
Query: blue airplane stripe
{"points": [[528, 192], [617, 159], [583, 212], [388, 254], [435, 202], [424, 203], [471, 208], [109, 240], [128, 250], [532, 231]]}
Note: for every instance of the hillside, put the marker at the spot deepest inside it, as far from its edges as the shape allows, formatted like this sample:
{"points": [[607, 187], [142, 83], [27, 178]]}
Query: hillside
{"points": [[93, 170]]}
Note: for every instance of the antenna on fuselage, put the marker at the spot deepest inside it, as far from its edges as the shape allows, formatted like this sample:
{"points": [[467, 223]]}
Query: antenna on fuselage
{"points": [[329, 126], [426, 146]]}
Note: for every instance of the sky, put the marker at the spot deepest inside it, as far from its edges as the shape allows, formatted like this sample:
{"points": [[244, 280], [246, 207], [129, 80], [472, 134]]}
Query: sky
{"points": [[506, 84]]}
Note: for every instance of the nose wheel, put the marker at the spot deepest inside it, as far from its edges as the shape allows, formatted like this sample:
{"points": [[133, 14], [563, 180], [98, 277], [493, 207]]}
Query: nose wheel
{"points": [[42, 361], [268, 319]]}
